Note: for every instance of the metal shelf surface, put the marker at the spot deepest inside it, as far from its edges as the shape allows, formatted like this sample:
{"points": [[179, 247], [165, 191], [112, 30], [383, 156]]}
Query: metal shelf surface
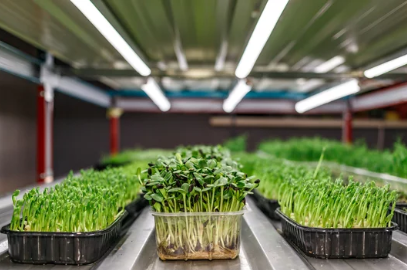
{"points": [[262, 247]]}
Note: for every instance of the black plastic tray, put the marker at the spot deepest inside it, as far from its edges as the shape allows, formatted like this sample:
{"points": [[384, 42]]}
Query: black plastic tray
{"points": [[400, 216], [267, 206], [104, 166], [338, 243], [62, 247]]}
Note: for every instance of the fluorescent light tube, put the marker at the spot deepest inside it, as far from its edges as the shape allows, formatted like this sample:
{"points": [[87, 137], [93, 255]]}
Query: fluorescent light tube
{"points": [[330, 64], [237, 94], [153, 90], [386, 67], [322, 68], [268, 20], [108, 31], [334, 93]]}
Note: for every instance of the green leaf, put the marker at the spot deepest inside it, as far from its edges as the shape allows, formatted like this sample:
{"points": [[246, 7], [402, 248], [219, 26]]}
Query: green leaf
{"points": [[241, 184], [176, 190], [157, 207], [222, 181], [185, 187], [157, 178], [157, 197], [211, 163]]}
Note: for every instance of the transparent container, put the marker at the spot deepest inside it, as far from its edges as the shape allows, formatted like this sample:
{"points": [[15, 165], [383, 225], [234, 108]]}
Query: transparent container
{"points": [[198, 236]]}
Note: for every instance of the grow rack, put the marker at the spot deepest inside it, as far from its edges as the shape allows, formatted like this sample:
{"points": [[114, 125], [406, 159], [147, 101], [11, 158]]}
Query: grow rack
{"points": [[137, 250]]}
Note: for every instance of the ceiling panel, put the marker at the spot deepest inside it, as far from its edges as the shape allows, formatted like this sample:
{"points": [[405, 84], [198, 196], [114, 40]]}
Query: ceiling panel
{"points": [[148, 23], [361, 31], [307, 34], [58, 27]]}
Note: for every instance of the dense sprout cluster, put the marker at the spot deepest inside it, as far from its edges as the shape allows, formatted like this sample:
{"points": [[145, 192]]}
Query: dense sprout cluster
{"points": [[309, 149], [131, 156], [197, 179], [89, 202], [274, 173], [309, 196], [321, 202], [236, 144]]}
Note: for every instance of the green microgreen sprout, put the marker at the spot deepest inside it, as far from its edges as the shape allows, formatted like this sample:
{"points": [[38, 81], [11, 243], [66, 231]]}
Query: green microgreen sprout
{"points": [[358, 155], [89, 202]]}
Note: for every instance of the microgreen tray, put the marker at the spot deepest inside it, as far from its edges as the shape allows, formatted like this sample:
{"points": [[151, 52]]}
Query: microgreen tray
{"points": [[267, 206], [400, 216], [104, 166], [338, 243], [62, 247]]}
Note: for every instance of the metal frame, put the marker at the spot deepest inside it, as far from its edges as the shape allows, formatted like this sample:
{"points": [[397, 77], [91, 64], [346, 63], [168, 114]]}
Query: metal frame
{"points": [[389, 96], [246, 106], [257, 72], [17, 63]]}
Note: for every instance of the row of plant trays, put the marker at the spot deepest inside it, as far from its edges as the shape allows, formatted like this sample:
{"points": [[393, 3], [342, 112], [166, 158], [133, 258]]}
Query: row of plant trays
{"points": [[69, 248], [335, 243], [85, 248], [104, 166]]}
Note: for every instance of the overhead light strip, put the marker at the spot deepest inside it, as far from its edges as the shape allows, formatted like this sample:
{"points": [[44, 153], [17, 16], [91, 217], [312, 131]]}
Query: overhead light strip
{"points": [[237, 94], [108, 31], [268, 20], [334, 93], [386, 67], [153, 90], [322, 68], [330, 64]]}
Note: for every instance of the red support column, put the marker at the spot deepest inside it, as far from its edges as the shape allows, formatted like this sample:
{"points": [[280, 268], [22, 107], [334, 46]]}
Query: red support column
{"points": [[41, 135], [347, 136], [114, 118], [44, 137]]}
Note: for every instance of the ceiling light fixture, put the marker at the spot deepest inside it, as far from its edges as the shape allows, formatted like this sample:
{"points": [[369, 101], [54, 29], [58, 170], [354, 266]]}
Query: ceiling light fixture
{"points": [[330, 64], [108, 31], [153, 90], [386, 67], [237, 94], [334, 93], [268, 20]]}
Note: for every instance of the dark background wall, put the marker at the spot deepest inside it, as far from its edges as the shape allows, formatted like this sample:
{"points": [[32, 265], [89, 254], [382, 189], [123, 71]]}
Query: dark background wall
{"points": [[17, 132], [81, 133], [170, 130]]}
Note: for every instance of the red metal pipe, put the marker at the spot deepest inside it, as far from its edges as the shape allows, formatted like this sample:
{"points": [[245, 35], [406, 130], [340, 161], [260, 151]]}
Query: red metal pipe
{"points": [[347, 136], [114, 135], [41, 135]]}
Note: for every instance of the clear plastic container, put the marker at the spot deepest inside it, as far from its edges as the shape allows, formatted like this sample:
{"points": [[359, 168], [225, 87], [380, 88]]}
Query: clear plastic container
{"points": [[198, 236]]}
